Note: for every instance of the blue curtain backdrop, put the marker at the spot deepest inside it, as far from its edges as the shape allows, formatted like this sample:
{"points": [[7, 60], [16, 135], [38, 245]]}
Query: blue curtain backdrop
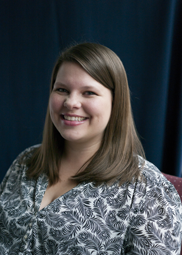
{"points": [[146, 34]]}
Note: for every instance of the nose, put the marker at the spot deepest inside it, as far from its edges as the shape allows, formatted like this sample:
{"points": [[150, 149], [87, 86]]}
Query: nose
{"points": [[72, 102]]}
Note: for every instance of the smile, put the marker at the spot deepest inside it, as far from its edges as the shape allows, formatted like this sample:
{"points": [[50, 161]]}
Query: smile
{"points": [[73, 118]]}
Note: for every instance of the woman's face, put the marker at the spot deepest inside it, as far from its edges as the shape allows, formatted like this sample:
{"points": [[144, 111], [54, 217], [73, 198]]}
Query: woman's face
{"points": [[80, 107]]}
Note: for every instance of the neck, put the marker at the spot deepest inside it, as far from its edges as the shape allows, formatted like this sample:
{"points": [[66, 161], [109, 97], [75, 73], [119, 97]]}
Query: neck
{"points": [[74, 157], [80, 152]]}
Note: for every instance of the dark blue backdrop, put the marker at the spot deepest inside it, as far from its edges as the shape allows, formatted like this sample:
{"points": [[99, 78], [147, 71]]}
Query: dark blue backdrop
{"points": [[147, 36]]}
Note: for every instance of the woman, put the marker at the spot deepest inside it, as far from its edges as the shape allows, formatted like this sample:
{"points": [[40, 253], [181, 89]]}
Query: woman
{"points": [[87, 188]]}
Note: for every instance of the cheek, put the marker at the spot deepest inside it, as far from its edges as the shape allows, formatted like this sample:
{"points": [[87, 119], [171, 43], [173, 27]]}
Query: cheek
{"points": [[107, 113], [100, 110], [54, 103]]}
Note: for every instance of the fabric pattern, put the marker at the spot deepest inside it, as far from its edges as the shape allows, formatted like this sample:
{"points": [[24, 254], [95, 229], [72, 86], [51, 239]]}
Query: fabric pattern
{"points": [[143, 218]]}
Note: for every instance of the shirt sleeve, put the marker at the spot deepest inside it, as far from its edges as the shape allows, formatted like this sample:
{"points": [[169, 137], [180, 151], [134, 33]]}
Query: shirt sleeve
{"points": [[6, 178], [155, 224], [15, 169]]}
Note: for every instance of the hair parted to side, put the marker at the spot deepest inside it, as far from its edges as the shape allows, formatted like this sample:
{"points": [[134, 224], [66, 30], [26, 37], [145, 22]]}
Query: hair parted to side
{"points": [[116, 159]]}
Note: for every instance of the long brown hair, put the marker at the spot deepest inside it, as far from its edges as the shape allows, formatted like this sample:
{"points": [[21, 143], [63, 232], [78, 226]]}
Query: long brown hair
{"points": [[117, 157]]}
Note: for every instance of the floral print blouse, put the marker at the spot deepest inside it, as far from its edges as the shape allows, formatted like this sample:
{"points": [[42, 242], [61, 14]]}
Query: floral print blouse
{"points": [[138, 218]]}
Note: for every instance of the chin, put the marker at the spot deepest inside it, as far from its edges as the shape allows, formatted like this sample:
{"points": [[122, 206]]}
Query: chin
{"points": [[71, 138]]}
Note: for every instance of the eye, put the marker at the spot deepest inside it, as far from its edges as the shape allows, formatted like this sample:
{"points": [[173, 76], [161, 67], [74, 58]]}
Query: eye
{"points": [[89, 93], [61, 90]]}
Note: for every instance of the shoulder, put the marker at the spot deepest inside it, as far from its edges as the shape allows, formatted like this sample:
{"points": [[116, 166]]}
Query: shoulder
{"points": [[18, 168], [27, 153], [151, 175], [20, 163], [151, 185], [22, 157], [155, 214], [156, 183]]}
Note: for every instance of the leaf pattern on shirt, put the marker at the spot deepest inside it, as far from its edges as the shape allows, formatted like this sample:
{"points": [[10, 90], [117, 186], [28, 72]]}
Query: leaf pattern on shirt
{"points": [[144, 217]]}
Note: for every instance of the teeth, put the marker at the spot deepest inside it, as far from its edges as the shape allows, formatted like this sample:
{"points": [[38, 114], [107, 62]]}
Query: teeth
{"points": [[73, 118]]}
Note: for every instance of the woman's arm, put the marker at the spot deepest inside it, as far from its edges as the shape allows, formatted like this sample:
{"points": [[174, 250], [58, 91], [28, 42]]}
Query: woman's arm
{"points": [[156, 218]]}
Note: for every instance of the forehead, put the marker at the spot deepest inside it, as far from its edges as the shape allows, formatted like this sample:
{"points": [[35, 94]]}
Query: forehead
{"points": [[72, 73], [69, 68]]}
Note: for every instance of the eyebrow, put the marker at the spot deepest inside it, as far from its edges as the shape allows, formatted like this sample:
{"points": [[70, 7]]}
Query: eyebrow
{"points": [[59, 84], [84, 87], [89, 87]]}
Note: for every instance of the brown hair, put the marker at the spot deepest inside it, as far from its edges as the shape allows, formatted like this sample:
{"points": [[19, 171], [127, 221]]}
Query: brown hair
{"points": [[117, 157]]}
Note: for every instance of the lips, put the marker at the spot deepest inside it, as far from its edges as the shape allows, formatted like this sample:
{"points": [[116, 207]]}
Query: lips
{"points": [[73, 118]]}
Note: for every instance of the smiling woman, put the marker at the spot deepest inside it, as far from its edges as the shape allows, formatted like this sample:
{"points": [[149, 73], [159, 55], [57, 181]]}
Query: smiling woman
{"points": [[80, 115], [90, 66], [87, 189]]}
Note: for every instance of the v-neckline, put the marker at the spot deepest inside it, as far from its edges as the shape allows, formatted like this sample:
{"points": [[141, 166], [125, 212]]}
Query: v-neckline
{"points": [[41, 187]]}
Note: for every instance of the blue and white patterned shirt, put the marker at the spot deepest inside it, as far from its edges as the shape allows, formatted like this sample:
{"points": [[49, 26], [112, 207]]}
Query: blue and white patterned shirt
{"points": [[143, 218]]}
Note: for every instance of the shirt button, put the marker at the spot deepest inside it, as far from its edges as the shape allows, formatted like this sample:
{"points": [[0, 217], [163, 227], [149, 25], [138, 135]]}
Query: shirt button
{"points": [[25, 237], [30, 224]]}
